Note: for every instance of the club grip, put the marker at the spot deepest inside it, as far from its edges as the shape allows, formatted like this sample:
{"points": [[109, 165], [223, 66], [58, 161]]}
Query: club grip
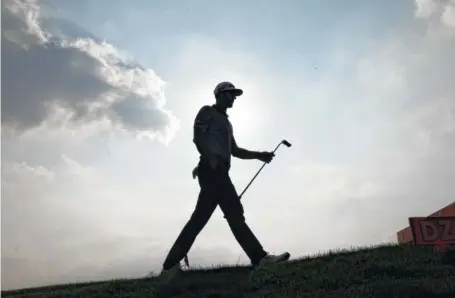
{"points": [[286, 143]]}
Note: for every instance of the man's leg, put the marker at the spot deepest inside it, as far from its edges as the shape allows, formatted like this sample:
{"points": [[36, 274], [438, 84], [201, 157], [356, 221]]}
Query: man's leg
{"points": [[233, 210], [201, 215]]}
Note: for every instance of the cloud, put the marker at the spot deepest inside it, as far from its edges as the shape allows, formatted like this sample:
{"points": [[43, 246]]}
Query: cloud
{"points": [[440, 10], [56, 81]]}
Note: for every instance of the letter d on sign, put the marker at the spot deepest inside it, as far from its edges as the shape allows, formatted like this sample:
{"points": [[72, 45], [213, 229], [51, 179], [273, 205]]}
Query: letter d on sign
{"points": [[430, 231], [433, 230]]}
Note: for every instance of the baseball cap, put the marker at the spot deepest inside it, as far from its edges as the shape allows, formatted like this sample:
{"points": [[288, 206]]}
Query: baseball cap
{"points": [[227, 86]]}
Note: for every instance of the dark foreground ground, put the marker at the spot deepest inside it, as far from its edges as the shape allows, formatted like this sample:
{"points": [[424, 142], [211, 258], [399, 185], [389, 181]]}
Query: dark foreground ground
{"points": [[386, 271]]}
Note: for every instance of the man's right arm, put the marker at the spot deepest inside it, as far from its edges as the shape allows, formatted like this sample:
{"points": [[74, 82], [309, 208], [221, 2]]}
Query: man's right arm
{"points": [[201, 127]]}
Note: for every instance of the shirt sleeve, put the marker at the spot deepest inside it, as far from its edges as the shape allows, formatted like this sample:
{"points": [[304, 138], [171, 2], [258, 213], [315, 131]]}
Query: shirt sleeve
{"points": [[203, 119]]}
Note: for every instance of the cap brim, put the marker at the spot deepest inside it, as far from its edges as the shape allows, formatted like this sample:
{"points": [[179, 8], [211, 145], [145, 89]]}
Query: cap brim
{"points": [[237, 92]]}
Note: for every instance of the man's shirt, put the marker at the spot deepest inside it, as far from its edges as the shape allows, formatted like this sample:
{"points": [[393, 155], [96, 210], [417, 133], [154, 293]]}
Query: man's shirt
{"points": [[217, 130]]}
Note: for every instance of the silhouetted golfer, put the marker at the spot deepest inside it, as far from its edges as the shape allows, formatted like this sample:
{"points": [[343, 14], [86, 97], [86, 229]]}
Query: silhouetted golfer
{"points": [[215, 142]]}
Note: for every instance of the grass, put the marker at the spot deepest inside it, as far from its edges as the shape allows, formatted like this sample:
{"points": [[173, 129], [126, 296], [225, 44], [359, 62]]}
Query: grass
{"points": [[384, 271]]}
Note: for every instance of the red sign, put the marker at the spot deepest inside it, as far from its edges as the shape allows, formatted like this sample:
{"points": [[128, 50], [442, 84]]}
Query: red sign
{"points": [[433, 230], [405, 235]]}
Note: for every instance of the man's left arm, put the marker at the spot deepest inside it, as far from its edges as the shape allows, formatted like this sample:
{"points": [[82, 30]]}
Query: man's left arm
{"points": [[243, 153]]}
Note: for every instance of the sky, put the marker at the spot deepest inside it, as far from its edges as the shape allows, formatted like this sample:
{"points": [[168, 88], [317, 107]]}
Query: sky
{"points": [[99, 99]]}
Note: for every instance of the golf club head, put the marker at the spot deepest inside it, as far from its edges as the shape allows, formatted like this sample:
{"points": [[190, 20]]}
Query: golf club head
{"points": [[286, 143]]}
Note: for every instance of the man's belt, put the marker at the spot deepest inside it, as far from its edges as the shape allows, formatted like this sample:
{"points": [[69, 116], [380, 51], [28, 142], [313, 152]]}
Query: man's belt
{"points": [[202, 159]]}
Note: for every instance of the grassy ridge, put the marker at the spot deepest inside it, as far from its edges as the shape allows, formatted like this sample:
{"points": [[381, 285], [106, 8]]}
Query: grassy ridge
{"points": [[385, 271]]}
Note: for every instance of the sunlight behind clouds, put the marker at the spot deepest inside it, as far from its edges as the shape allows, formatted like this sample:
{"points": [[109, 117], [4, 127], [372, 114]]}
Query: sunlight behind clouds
{"points": [[204, 62]]}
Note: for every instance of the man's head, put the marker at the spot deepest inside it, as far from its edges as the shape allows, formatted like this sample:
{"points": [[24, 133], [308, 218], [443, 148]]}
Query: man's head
{"points": [[225, 94]]}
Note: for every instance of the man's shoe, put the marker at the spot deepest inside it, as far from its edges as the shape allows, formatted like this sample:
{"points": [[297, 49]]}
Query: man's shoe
{"points": [[274, 259]]}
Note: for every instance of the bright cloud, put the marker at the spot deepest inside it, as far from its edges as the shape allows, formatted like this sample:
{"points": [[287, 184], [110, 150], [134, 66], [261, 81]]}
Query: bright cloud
{"points": [[59, 82], [442, 11]]}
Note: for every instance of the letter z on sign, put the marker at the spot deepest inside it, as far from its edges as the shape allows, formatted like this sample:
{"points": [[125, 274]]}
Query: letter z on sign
{"points": [[433, 230]]}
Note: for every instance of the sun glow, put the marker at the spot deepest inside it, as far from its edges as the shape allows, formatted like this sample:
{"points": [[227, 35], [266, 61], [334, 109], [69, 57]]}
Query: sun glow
{"points": [[246, 115], [244, 118]]}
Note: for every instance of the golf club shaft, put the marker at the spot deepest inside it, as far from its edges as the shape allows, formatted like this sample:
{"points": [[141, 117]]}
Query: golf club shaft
{"points": [[258, 172]]}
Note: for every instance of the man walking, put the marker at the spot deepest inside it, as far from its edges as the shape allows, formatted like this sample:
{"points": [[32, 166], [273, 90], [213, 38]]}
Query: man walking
{"points": [[214, 139]]}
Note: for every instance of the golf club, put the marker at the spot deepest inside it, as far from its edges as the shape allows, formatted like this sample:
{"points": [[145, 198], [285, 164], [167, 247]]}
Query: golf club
{"points": [[283, 142]]}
